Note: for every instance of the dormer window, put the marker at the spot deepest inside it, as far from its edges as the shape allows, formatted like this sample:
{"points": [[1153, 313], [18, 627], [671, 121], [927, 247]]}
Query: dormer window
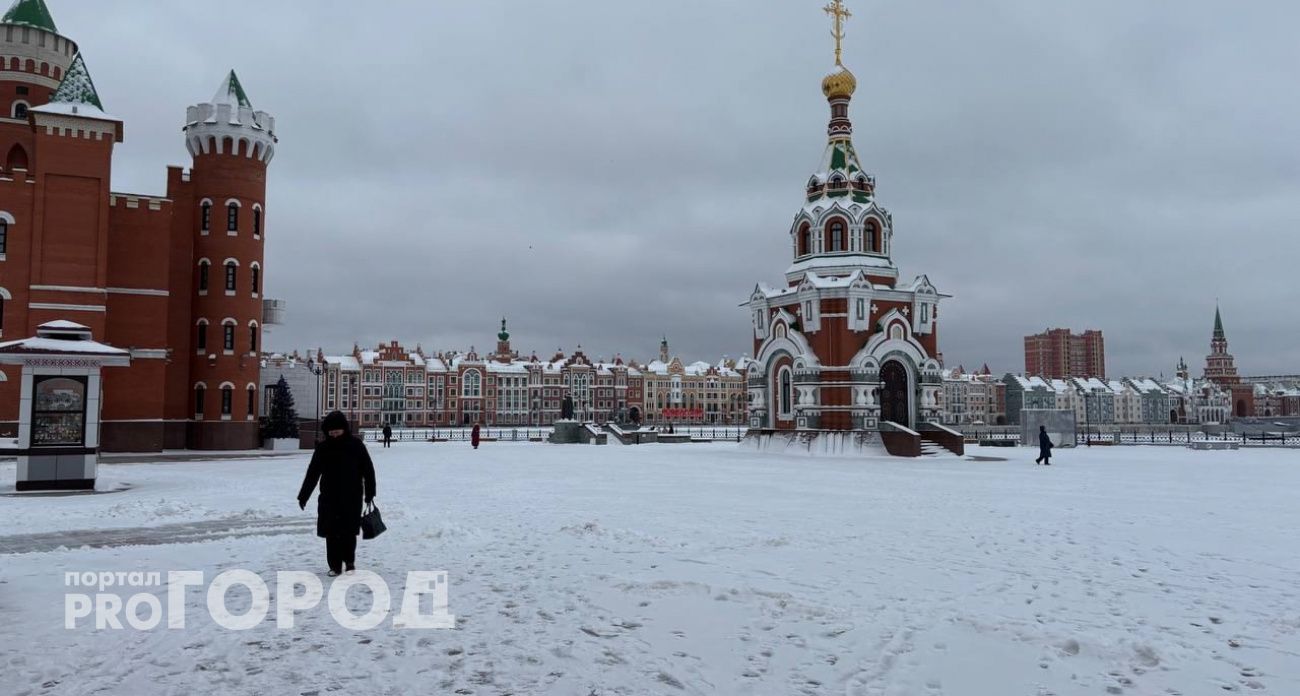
{"points": [[813, 184]]}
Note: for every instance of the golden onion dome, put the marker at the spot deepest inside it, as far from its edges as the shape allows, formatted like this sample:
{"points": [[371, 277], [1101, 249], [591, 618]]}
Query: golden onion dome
{"points": [[840, 85]]}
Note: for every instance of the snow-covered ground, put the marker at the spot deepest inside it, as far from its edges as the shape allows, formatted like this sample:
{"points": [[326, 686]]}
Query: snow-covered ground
{"points": [[695, 569]]}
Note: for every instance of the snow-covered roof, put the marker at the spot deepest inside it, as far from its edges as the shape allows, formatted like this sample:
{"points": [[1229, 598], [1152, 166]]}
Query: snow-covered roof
{"points": [[345, 362], [40, 345], [231, 92], [30, 13], [840, 261]]}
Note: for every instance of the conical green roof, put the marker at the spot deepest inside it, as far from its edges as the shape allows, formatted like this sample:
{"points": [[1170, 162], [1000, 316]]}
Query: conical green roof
{"points": [[31, 13], [231, 92], [1218, 323], [77, 87]]}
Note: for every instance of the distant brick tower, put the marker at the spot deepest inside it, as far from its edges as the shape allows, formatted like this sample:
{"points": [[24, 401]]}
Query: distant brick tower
{"points": [[232, 145], [1220, 367]]}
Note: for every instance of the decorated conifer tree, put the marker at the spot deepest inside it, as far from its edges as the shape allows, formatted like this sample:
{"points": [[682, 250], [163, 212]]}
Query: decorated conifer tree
{"points": [[283, 421]]}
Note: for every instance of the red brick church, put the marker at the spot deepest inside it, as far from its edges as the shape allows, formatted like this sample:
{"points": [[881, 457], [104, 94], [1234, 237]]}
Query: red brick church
{"points": [[844, 345], [176, 279]]}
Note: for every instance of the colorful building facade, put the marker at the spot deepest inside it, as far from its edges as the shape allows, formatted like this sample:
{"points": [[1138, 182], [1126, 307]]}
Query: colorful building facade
{"points": [[392, 385]]}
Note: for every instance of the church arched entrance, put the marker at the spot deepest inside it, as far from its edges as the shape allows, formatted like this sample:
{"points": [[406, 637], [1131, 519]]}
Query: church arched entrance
{"points": [[781, 405], [895, 394]]}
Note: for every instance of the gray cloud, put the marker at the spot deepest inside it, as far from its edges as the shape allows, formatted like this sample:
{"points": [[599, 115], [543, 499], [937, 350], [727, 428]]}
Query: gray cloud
{"points": [[604, 173]]}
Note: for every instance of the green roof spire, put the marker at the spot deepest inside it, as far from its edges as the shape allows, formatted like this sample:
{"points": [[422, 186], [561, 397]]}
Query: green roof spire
{"points": [[1218, 323], [30, 13], [231, 92], [77, 87]]}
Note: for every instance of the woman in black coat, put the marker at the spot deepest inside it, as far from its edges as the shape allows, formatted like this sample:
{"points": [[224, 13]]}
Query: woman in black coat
{"points": [[1044, 447], [346, 475]]}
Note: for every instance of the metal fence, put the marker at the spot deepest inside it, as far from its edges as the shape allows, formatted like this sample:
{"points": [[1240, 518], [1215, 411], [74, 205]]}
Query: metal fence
{"points": [[458, 434], [707, 432], [1184, 437], [526, 434], [1143, 436]]}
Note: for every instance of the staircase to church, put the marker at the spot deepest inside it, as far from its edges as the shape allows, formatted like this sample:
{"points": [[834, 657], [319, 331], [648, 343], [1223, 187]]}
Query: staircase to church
{"points": [[932, 449], [932, 440]]}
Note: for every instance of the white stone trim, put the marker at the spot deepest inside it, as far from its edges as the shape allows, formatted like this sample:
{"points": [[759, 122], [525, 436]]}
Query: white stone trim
{"points": [[67, 288], [139, 291], [149, 353], [67, 307]]}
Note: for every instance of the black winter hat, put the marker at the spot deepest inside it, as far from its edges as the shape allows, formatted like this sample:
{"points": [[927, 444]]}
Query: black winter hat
{"points": [[335, 421]]}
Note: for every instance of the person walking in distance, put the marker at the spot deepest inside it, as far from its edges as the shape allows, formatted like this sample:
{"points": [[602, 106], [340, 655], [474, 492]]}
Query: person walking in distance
{"points": [[474, 436], [388, 435], [1044, 447], [346, 476]]}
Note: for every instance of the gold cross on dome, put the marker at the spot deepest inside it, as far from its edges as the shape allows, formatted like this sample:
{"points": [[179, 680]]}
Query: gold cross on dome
{"points": [[839, 12]]}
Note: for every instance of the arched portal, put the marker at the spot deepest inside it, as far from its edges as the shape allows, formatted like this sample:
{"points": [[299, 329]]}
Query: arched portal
{"points": [[1241, 408], [895, 394]]}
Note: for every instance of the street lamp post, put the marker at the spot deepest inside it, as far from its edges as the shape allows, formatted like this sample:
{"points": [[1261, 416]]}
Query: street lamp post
{"points": [[316, 369]]}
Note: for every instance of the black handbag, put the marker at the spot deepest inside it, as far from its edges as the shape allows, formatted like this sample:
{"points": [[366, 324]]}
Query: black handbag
{"points": [[372, 525]]}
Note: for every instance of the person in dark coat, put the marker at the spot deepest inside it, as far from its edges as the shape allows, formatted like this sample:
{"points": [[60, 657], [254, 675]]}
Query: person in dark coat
{"points": [[474, 436], [1044, 447], [347, 477], [388, 435]]}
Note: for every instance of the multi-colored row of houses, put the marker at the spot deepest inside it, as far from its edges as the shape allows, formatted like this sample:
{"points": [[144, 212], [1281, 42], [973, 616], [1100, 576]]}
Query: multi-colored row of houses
{"points": [[393, 385]]}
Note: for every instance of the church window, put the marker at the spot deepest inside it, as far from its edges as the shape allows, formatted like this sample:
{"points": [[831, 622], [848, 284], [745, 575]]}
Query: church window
{"points": [[231, 276], [206, 223], [227, 396], [805, 240], [837, 236], [925, 312], [4, 235], [204, 266], [228, 339], [232, 216], [20, 110], [786, 395], [256, 273], [257, 222], [873, 237], [862, 309]]}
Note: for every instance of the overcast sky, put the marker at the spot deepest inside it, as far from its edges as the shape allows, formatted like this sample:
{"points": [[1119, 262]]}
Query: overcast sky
{"points": [[606, 172]]}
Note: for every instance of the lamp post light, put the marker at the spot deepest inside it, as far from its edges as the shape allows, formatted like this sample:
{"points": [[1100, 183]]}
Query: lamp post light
{"points": [[316, 369]]}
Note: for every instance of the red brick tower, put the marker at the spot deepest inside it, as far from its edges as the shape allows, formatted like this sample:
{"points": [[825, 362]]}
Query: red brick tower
{"points": [[35, 58], [232, 145]]}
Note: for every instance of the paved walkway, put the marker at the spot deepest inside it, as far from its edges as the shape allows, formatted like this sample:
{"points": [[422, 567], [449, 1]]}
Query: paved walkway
{"points": [[181, 533]]}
